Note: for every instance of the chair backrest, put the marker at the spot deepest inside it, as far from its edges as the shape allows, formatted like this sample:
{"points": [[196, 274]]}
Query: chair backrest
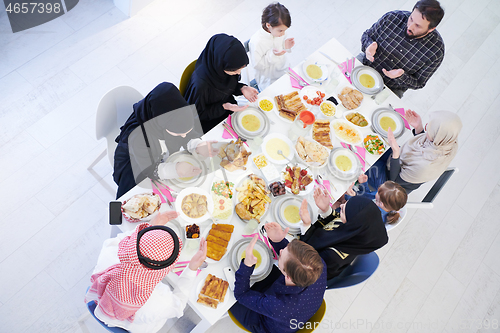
{"points": [[91, 306], [427, 201], [114, 109], [314, 321], [402, 214], [186, 76], [358, 271]]}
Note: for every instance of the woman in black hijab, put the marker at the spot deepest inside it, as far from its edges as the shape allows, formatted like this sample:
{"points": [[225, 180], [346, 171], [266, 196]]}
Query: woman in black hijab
{"points": [[215, 80], [340, 236], [168, 123]]}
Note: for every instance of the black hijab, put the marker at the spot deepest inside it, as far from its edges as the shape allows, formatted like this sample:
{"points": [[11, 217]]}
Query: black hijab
{"points": [[363, 232], [223, 52], [163, 108]]}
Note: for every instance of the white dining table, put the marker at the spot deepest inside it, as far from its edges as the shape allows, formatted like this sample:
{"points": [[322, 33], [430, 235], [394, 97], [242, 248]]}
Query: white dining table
{"points": [[283, 85]]}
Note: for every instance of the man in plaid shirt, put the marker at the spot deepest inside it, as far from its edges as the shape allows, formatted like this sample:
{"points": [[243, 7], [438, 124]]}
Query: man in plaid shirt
{"points": [[405, 47]]}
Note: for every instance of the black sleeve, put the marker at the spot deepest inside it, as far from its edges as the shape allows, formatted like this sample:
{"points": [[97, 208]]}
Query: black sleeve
{"points": [[316, 235], [237, 91], [395, 169], [200, 94]]}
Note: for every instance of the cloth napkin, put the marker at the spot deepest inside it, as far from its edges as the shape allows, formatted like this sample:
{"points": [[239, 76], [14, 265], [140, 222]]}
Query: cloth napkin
{"points": [[348, 66], [179, 267], [264, 239], [295, 83], [165, 193], [361, 151], [401, 111], [226, 134]]}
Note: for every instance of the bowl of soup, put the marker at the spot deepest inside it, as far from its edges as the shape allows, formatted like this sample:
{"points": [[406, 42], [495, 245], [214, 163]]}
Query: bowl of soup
{"points": [[251, 121], [315, 71], [344, 164], [367, 80], [385, 118], [274, 142]]}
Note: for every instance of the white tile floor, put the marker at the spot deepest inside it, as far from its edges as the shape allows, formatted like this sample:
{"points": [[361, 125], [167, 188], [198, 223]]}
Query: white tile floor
{"points": [[440, 271]]}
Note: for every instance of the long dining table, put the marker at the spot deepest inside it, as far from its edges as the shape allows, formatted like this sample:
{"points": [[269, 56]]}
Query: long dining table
{"points": [[338, 53]]}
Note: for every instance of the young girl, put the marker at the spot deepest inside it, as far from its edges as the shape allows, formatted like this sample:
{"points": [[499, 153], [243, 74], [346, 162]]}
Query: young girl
{"points": [[269, 45], [390, 197]]}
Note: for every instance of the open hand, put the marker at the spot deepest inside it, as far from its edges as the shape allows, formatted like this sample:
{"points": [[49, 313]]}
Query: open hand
{"points": [[199, 257], [304, 214], [205, 148], [321, 198], [289, 43], [370, 51], [414, 120], [234, 107], [362, 178], [279, 53], [394, 73], [350, 191], [274, 232], [185, 169], [163, 218], [250, 93], [250, 259], [394, 144]]}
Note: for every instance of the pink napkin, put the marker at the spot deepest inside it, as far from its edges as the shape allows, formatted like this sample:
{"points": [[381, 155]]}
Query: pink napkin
{"points": [[225, 134], [401, 111], [264, 239], [326, 183], [179, 267], [295, 83], [347, 66], [165, 193], [361, 151]]}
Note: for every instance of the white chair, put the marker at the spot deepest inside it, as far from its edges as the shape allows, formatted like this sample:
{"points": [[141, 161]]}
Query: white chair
{"points": [[114, 109], [427, 201], [402, 214]]}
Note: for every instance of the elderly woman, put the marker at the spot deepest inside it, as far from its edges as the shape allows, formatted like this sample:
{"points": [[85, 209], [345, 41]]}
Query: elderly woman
{"points": [[422, 158], [161, 124], [215, 81], [339, 236], [126, 283]]}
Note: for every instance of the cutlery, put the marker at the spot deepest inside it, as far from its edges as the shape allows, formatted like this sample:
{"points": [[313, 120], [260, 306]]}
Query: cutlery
{"points": [[226, 182], [232, 133], [263, 233], [319, 180], [203, 265], [327, 57], [281, 153], [301, 81], [161, 193], [355, 151]]}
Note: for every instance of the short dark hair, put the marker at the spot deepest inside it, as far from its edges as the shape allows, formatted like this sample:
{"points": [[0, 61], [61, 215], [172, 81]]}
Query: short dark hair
{"points": [[431, 10], [276, 14], [304, 265]]}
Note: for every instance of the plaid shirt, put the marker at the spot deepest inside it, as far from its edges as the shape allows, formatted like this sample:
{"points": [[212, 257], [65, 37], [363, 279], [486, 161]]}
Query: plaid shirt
{"points": [[418, 57]]}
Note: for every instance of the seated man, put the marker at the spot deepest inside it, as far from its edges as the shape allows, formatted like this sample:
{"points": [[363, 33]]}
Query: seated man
{"points": [[405, 47], [289, 296], [126, 282]]}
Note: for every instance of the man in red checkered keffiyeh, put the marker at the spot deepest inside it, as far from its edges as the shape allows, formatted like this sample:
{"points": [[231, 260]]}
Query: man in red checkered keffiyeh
{"points": [[145, 258]]}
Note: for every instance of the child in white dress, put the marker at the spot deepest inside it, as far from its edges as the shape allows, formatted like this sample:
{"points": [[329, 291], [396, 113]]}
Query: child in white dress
{"points": [[269, 45]]}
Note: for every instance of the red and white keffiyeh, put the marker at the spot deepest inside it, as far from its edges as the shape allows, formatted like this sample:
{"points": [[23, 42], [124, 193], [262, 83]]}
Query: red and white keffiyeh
{"points": [[122, 289]]}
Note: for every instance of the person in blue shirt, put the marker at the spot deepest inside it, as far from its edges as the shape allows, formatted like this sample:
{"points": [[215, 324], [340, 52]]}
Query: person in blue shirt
{"points": [[292, 293], [390, 197]]}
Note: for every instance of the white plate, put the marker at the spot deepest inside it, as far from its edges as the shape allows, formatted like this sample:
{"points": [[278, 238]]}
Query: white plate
{"points": [[360, 70], [127, 217], [269, 99], [309, 188], [344, 175], [228, 201], [349, 124], [286, 140], [322, 66], [394, 116], [311, 164], [184, 193], [341, 106], [311, 92], [200, 285], [366, 118], [236, 201], [262, 249], [206, 231], [255, 113]]}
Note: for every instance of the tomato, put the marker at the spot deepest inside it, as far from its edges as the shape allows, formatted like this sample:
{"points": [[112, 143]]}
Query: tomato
{"points": [[322, 94], [303, 172], [305, 98], [221, 207]]}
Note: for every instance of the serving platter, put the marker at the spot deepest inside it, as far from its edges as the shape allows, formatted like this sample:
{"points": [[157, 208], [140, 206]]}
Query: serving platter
{"points": [[358, 71], [346, 124], [265, 267], [236, 201], [206, 231]]}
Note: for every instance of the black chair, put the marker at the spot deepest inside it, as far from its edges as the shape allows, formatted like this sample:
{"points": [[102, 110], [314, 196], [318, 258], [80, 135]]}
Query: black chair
{"points": [[427, 201]]}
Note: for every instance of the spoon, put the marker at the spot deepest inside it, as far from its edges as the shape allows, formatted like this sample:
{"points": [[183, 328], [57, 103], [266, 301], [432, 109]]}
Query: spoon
{"points": [[281, 153], [319, 179], [203, 265], [351, 148]]}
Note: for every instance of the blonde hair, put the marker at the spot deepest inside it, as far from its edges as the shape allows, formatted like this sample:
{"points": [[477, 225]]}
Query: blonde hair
{"points": [[394, 197]]}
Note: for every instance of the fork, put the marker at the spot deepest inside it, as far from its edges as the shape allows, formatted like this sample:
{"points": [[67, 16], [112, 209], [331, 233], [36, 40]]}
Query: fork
{"points": [[299, 80], [161, 193]]}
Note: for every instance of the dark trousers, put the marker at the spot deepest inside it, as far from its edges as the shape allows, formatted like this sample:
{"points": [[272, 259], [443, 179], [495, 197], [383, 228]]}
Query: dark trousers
{"points": [[250, 319]]}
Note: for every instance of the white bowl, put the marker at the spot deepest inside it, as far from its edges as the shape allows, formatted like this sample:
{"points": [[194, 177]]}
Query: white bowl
{"points": [[266, 98], [185, 192], [335, 108], [268, 155], [366, 118], [323, 67]]}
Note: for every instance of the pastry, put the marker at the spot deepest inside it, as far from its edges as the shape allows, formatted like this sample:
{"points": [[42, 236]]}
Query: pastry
{"points": [[217, 240], [350, 98], [321, 133], [213, 291], [290, 105]]}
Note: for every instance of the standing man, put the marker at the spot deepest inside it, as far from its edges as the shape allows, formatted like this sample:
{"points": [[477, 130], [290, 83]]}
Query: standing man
{"points": [[405, 47]]}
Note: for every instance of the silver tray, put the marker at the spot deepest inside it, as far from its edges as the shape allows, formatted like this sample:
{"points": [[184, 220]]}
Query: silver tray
{"points": [[379, 82], [343, 175], [394, 115], [278, 203], [235, 123], [234, 259], [196, 181]]}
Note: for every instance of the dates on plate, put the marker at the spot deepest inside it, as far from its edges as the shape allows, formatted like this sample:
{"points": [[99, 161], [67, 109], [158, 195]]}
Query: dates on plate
{"points": [[277, 188]]}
